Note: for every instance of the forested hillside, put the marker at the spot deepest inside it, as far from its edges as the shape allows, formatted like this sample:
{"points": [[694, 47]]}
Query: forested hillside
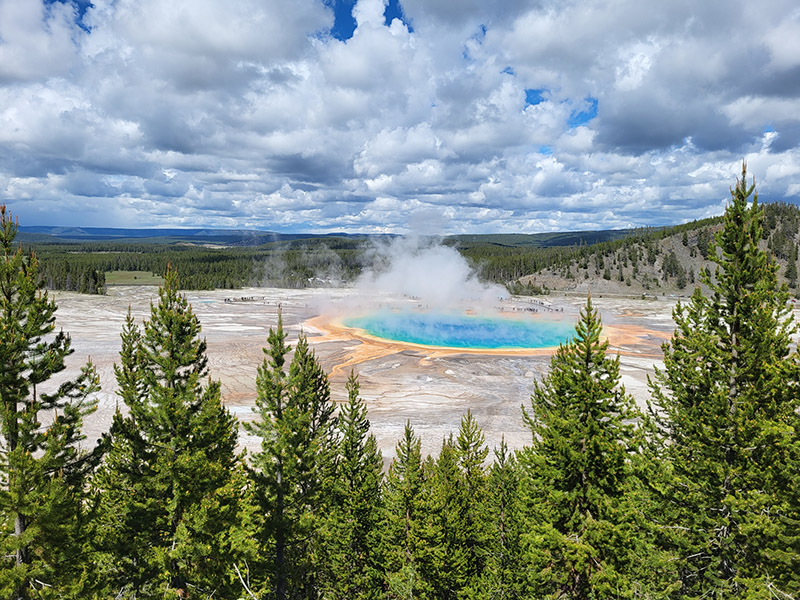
{"points": [[650, 261], [695, 498], [82, 267], [67, 263], [666, 261]]}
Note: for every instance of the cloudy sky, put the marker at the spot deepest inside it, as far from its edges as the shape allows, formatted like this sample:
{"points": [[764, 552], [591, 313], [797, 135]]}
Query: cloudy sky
{"points": [[434, 116]]}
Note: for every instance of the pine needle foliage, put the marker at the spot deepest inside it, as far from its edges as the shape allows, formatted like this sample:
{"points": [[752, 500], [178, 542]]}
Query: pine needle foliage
{"points": [[577, 472], [294, 470], [725, 407], [42, 466], [454, 524], [171, 486], [352, 526], [403, 520], [473, 527], [442, 557], [503, 576]]}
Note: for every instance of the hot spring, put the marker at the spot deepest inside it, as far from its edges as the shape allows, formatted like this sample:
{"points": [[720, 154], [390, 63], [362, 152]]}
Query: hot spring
{"points": [[454, 330]]}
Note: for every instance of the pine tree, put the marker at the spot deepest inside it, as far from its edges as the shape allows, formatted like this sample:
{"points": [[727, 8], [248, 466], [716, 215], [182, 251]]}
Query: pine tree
{"points": [[726, 410], [791, 267], [443, 557], [294, 470], [473, 528], [577, 472], [502, 578], [403, 519], [42, 467], [170, 490], [454, 523], [353, 525]]}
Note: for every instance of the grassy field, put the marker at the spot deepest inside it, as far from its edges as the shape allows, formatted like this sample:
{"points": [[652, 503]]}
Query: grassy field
{"points": [[132, 278]]}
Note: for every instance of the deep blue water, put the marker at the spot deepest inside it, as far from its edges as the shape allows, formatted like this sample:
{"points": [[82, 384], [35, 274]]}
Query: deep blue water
{"points": [[464, 331]]}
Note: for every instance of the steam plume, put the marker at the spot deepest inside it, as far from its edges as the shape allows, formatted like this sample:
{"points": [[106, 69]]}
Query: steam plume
{"points": [[425, 269]]}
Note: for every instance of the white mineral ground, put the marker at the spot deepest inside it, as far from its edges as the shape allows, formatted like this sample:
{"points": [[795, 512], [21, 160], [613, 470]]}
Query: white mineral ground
{"points": [[431, 388]]}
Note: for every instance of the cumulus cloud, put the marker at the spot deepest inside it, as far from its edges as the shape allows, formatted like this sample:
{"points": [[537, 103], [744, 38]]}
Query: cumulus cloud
{"points": [[37, 40], [519, 116]]}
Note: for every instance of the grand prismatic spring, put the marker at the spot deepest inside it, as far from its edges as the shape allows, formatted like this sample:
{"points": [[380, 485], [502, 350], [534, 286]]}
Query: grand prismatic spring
{"points": [[458, 330]]}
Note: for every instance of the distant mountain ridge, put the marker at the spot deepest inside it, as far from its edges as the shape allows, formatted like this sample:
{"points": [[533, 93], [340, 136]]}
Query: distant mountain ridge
{"points": [[644, 261], [549, 239], [244, 237], [253, 237]]}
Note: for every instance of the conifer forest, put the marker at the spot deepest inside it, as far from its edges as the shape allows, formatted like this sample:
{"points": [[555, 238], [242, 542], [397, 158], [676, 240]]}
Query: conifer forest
{"points": [[695, 497]]}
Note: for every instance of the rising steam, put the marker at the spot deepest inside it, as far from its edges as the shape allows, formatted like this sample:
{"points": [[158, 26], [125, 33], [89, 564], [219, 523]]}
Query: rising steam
{"points": [[424, 269]]}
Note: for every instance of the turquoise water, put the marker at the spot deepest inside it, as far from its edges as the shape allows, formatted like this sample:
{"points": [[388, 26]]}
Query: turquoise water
{"points": [[464, 331]]}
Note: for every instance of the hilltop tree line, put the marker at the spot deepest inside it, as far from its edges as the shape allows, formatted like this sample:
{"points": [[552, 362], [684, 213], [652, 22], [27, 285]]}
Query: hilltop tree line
{"points": [[510, 263], [668, 259], [696, 497], [650, 258]]}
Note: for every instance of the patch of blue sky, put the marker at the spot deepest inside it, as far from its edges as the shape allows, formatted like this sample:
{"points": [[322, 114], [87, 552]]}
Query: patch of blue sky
{"points": [[344, 23], [534, 97], [546, 150], [478, 38], [509, 71], [80, 6], [394, 10], [583, 116]]}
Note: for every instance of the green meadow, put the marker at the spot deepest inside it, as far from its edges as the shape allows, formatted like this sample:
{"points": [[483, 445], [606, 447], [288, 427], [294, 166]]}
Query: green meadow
{"points": [[133, 278]]}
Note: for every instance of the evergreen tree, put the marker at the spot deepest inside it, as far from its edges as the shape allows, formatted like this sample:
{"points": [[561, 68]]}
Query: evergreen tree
{"points": [[403, 519], [294, 470], [502, 577], [171, 489], [791, 267], [443, 557], [42, 467], [473, 528], [454, 517], [703, 241], [353, 524], [726, 410], [577, 472]]}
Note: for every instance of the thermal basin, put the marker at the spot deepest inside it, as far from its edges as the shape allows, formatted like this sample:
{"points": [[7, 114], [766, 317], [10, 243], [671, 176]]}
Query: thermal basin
{"points": [[461, 330]]}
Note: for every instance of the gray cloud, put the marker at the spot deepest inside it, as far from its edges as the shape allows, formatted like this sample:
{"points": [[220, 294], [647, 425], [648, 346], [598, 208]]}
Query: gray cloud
{"points": [[213, 114]]}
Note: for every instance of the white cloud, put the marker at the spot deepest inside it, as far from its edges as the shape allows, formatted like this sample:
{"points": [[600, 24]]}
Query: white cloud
{"points": [[754, 111], [251, 114], [634, 63], [369, 13], [784, 42], [35, 41]]}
